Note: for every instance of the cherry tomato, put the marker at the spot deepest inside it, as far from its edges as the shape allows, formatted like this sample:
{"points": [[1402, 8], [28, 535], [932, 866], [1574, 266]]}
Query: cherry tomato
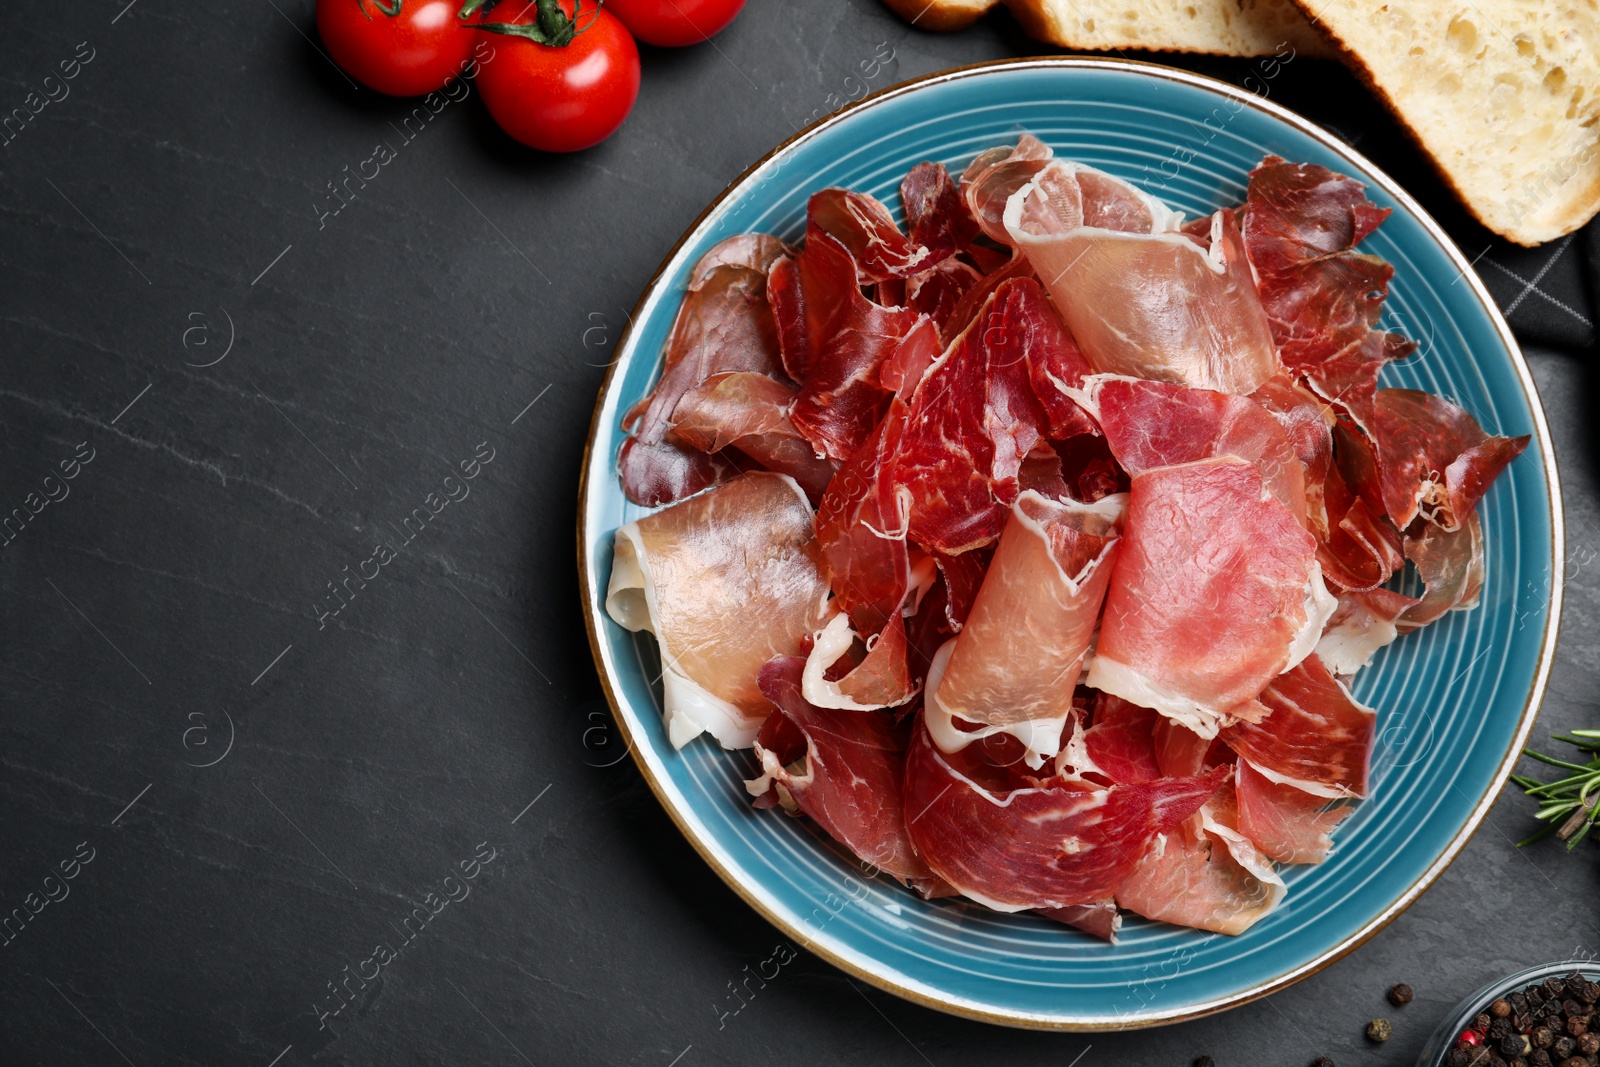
{"points": [[567, 98], [410, 53], [675, 23]]}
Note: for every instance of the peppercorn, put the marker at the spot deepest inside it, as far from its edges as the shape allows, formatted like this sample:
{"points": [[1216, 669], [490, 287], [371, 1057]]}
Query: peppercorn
{"points": [[1400, 995], [1512, 1045], [1554, 986], [1205, 1061], [1499, 1028], [1562, 1048], [1500, 1009], [1572, 1007], [1576, 1061], [1540, 1058], [1589, 1044], [1542, 1037], [1457, 1058], [1481, 1021], [1379, 1030], [1588, 992], [1521, 1022], [1576, 1026]]}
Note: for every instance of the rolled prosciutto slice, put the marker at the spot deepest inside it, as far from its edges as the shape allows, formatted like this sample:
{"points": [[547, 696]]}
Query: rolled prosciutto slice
{"points": [[1434, 460], [1216, 591], [1045, 846], [1142, 298], [842, 768], [725, 580], [1284, 821], [1315, 736], [1015, 664], [1205, 874]]}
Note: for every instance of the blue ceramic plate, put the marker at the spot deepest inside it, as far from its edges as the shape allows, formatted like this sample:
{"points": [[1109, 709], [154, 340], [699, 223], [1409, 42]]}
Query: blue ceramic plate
{"points": [[1455, 701]]}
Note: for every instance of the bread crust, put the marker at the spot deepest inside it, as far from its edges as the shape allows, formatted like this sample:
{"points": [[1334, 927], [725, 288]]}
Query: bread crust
{"points": [[940, 15], [1580, 208]]}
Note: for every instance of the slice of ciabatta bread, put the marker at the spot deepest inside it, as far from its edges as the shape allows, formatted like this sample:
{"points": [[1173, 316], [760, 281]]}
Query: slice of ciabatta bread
{"points": [[1504, 95], [1219, 27]]}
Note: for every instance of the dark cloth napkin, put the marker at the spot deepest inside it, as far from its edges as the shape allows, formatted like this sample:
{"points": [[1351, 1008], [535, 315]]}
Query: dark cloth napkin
{"points": [[1548, 294]]}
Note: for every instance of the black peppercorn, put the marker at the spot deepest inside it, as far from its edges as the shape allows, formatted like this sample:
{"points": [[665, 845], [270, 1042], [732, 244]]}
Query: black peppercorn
{"points": [[1562, 1048], [1400, 995], [1205, 1061], [1542, 1037], [1540, 1058], [1379, 1030], [1499, 1028], [1522, 1022], [1572, 1007], [1589, 1044], [1577, 1027], [1554, 986], [1457, 1058], [1576, 1061], [1481, 1021], [1511, 1045], [1588, 992]]}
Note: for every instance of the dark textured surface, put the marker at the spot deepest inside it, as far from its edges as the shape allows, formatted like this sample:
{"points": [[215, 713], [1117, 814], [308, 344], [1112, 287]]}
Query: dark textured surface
{"points": [[172, 600]]}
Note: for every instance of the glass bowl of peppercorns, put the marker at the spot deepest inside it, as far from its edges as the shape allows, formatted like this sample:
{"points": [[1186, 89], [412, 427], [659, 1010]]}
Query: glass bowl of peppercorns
{"points": [[1545, 1016]]}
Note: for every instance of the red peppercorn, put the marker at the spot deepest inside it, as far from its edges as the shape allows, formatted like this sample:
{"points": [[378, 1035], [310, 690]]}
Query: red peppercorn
{"points": [[1470, 1037]]}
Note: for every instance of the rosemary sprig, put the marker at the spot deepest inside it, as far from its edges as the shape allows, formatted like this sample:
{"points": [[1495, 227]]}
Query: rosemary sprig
{"points": [[1571, 805]]}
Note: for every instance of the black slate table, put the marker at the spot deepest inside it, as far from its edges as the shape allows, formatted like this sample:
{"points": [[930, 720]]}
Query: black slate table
{"points": [[254, 778]]}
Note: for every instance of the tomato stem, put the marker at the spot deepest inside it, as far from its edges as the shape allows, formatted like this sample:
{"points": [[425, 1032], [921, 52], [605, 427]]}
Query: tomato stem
{"points": [[391, 8], [551, 27]]}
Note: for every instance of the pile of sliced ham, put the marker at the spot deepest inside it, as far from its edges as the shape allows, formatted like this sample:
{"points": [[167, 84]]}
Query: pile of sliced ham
{"points": [[1032, 546]]}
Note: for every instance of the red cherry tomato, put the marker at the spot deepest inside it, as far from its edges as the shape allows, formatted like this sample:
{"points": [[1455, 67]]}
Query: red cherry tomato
{"points": [[561, 99], [675, 23], [410, 53]]}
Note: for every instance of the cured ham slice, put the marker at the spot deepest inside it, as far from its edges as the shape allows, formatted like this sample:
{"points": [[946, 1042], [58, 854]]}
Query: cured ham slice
{"points": [[724, 325], [936, 214], [1143, 299], [861, 526], [725, 580], [991, 179], [1102, 919], [1307, 421], [1287, 823], [1016, 662], [750, 412], [1205, 874], [1434, 459], [1364, 622], [880, 680], [978, 411], [1156, 424], [1121, 743], [1451, 566], [832, 340], [1315, 736], [1046, 846], [753, 251], [864, 226], [1216, 591], [842, 768], [938, 291]]}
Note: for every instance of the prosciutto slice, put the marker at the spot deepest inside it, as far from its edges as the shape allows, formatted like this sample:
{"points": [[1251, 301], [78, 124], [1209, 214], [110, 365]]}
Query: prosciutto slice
{"points": [[1364, 622], [861, 526], [842, 768], [1102, 919], [1143, 299], [1216, 591], [1315, 736], [725, 580], [977, 413], [1120, 745], [1451, 566], [1046, 846], [1156, 424], [1287, 823], [880, 680], [936, 213], [991, 179], [1016, 662], [833, 341], [1434, 459], [750, 412], [864, 226], [723, 325], [1205, 874]]}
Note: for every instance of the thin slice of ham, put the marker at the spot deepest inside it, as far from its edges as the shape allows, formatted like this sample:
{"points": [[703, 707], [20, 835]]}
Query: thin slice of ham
{"points": [[1316, 736], [750, 412], [1216, 591], [1205, 874], [936, 214], [863, 225], [1142, 298], [1120, 743], [725, 580], [880, 680], [1434, 459], [1364, 622], [991, 179], [1016, 662], [842, 768], [1047, 846], [1286, 822], [1450, 563], [1102, 919], [1157, 424]]}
